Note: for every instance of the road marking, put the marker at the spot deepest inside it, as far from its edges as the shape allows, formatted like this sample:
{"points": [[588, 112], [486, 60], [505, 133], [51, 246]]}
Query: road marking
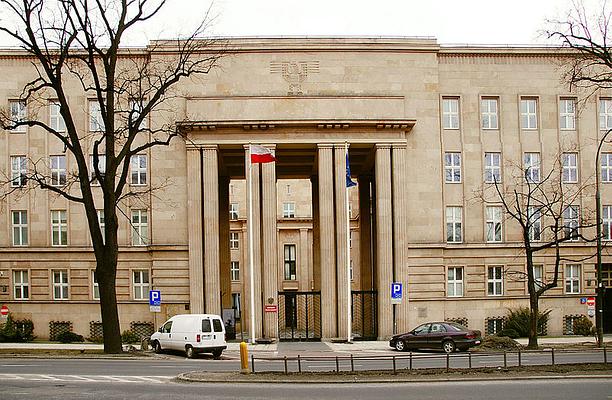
{"points": [[86, 378]]}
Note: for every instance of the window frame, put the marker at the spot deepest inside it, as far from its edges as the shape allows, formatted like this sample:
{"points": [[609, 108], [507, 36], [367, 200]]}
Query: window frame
{"points": [[24, 286], [570, 172], [527, 116], [235, 271], [57, 166], [531, 167], [21, 227], [571, 222], [19, 171], [572, 280], [606, 218], [290, 264], [452, 167], [95, 286], [59, 225], [451, 118], [233, 211], [536, 222], [605, 113], [454, 221], [490, 169], [566, 115], [141, 285], [541, 280], [605, 164], [289, 209], [495, 281], [56, 121], [95, 111], [140, 229], [18, 115], [454, 282], [485, 111], [491, 221], [137, 170], [101, 167], [234, 240], [63, 285]]}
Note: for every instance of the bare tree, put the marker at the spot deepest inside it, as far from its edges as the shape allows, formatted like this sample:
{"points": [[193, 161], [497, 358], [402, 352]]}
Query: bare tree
{"points": [[548, 215], [80, 41]]}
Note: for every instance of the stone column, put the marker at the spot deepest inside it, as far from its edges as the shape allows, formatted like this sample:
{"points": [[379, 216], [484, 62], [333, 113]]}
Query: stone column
{"points": [[194, 224], [400, 230], [257, 286], [224, 231], [327, 241], [316, 248], [384, 239], [303, 261], [365, 234], [269, 247], [210, 186], [342, 251]]}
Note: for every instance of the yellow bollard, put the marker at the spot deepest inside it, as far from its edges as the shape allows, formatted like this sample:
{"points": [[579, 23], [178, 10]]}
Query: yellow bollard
{"points": [[244, 359]]}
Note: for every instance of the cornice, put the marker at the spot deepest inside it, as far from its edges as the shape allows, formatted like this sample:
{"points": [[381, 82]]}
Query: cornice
{"points": [[320, 124]]}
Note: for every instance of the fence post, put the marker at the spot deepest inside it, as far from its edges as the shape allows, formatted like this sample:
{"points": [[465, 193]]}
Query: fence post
{"points": [[469, 359], [519, 358], [394, 371], [253, 363], [337, 365], [447, 361], [410, 361], [299, 364], [352, 365], [552, 355], [505, 360], [285, 365]]}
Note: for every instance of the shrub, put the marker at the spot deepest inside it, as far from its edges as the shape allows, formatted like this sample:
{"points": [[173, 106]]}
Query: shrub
{"points": [[69, 337], [501, 343], [16, 331], [517, 322], [129, 337], [96, 339], [583, 326]]}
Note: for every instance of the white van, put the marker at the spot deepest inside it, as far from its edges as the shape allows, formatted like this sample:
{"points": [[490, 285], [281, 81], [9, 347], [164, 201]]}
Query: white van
{"points": [[191, 333]]}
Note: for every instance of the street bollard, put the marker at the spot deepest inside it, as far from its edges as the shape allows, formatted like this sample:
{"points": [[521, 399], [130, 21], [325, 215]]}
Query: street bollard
{"points": [[337, 365], [505, 360], [447, 361], [286, 365], [519, 358], [552, 355], [394, 370], [244, 358], [470, 359], [352, 364], [252, 363], [299, 364], [410, 361]]}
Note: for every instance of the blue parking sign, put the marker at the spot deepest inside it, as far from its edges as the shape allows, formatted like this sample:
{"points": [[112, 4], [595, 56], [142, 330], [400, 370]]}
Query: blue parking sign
{"points": [[396, 292], [154, 298]]}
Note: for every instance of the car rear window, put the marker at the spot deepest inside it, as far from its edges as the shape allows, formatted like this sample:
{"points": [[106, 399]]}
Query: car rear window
{"points": [[457, 328], [217, 325], [206, 325]]}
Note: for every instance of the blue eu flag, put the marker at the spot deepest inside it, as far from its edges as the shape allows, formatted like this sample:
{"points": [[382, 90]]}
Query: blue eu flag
{"points": [[349, 181]]}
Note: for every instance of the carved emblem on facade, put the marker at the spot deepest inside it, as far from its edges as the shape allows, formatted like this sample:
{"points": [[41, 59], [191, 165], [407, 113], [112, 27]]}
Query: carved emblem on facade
{"points": [[294, 73]]}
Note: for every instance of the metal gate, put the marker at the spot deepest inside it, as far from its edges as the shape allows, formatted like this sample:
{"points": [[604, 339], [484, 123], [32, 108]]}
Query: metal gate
{"points": [[299, 316], [364, 314]]}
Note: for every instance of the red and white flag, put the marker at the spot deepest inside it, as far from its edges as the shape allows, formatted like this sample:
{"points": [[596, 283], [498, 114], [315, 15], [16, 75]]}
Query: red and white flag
{"points": [[260, 154]]}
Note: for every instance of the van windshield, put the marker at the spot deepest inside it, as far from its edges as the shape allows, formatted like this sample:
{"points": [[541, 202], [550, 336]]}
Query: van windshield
{"points": [[206, 325]]}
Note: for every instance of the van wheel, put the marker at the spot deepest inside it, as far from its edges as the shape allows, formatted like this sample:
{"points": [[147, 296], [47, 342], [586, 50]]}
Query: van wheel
{"points": [[189, 351], [217, 354], [157, 347]]}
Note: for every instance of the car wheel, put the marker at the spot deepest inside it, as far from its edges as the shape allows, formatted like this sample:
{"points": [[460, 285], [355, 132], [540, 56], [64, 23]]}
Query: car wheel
{"points": [[448, 346], [189, 352], [157, 347], [400, 345], [217, 354]]}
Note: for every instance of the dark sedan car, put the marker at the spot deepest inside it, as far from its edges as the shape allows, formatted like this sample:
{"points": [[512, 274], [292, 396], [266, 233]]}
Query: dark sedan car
{"points": [[447, 336]]}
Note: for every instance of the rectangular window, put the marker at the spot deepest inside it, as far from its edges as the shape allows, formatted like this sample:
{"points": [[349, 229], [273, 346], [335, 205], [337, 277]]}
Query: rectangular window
{"points": [[139, 169], [605, 114], [529, 114], [572, 279], [59, 228], [18, 114], [351, 269], [21, 285], [101, 167], [290, 272], [141, 284], [58, 170], [95, 288], [56, 121], [488, 109], [136, 107], [140, 231], [20, 228], [289, 210], [101, 223], [495, 281], [233, 211], [234, 242], [452, 167], [60, 285], [450, 113], [96, 123], [567, 114], [570, 167], [494, 325], [534, 220], [235, 270], [455, 282], [236, 305], [494, 224], [532, 167], [605, 161], [453, 224], [538, 276], [19, 171], [607, 222], [492, 171], [571, 222]]}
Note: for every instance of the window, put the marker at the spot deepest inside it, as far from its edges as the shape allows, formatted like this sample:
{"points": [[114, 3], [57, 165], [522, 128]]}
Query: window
{"points": [[95, 288], [290, 273], [139, 169], [607, 222], [234, 242], [532, 167], [450, 113], [59, 228], [488, 109], [567, 114], [101, 223], [494, 325], [21, 285], [101, 168], [351, 269], [452, 167], [538, 276], [56, 121], [572, 279], [96, 123], [60, 285], [18, 114], [492, 172], [455, 282], [58, 170], [136, 106], [453, 224], [495, 281], [605, 114], [534, 220], [289, 210], [235, 270], [570, 222], [20, 228], [529, 114], [236, 305], [140, 223], [141, 285], [606, 167], [494, 224], [19, 171], [233, 211], [570, 168]]}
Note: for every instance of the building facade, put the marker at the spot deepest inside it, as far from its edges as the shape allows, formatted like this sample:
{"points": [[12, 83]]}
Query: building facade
{"points": [[427, 128]]}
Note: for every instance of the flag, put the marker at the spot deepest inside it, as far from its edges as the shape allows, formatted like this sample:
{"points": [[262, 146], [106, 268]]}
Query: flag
{"points": [[260, 154], [349, 181]]}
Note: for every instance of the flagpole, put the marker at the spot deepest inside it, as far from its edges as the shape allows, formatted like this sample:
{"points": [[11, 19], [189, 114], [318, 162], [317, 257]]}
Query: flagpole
{"points": [[348, 255], [250, 233]]}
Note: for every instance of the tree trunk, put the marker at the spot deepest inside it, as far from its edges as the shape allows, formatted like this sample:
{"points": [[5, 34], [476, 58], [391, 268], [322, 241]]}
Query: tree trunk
{"points": [[533, 321], [106, 272]]}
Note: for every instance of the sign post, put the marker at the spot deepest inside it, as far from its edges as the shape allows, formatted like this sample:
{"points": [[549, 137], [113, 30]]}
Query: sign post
{"points": [[154, 301]]}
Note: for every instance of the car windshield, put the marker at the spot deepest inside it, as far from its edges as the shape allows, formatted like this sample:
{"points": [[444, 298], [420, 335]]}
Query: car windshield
{"points": [[456, 327]]}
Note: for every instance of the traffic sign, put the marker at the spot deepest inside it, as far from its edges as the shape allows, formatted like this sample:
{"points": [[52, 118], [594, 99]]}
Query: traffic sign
{"points": [[583, 300], [4, 310], [154, 301], [591, 302], [396, 293], [271, 308]]}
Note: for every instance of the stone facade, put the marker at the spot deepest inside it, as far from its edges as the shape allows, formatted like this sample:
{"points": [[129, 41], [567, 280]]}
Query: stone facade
{"points": [[400, 105]]}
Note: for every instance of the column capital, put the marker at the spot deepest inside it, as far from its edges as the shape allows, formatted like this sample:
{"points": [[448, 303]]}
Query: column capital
{"points": [[399, 146], [382, 146], [325, 146], [210, 147], [342, 145]]}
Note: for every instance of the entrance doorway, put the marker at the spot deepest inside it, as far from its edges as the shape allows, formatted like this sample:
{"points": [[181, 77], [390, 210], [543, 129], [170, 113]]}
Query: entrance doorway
{"points": [[299, 315]]}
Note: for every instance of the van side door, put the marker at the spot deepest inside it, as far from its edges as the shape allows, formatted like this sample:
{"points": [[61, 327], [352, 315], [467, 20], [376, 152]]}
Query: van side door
{"points": [[207, 332], [218, 335], [165, 335]]}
